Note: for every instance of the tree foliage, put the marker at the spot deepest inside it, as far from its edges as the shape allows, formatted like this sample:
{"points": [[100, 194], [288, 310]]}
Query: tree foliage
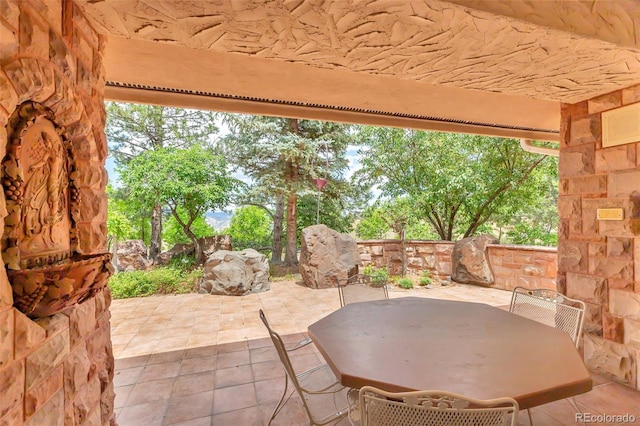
{"points": [[456, 182], [250, 227], [282, 156], [134, 129], [172, 232], [188, 181]]}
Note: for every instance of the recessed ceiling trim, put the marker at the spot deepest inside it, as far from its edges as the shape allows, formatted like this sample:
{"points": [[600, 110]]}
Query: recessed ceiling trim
{"points": [[128, 92]]}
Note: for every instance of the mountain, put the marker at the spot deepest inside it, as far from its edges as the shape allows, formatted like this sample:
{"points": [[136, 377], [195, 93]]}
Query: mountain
{"points": [[219, 220]]}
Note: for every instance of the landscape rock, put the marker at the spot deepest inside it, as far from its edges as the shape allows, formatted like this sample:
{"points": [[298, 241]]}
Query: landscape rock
{"points": [[470, 261], [327, 256], [132, 255], [235, 273]]}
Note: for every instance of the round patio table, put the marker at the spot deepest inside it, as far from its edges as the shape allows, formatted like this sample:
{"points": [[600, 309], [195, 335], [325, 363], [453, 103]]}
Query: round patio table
{"points": [[469, 348]]}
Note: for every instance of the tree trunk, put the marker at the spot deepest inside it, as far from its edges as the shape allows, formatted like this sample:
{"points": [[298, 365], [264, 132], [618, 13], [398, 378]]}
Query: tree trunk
{"points": [[278, 220], [198, 255], [155, 247], [403, 244], [291, 255]]}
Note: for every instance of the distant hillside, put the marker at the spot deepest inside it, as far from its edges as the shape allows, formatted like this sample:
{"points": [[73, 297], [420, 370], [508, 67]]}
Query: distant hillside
{"points": [[219, 220]]}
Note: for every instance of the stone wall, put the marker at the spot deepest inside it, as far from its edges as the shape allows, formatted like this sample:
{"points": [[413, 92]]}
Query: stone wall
{"points": [[526, 266], [434, 256], [523, 266], [59, 369], [599, 261]]}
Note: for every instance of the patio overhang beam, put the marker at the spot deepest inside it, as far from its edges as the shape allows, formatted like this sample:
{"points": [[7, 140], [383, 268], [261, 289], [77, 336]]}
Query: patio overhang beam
{"points": [[227, 103], [163, 74]]}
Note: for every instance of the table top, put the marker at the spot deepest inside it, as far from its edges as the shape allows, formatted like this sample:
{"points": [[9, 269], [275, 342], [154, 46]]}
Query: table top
{"points": [[469, 348]]}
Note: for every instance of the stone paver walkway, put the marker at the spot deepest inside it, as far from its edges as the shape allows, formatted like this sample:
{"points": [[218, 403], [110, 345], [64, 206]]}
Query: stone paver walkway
{"points": [[206, 360]]}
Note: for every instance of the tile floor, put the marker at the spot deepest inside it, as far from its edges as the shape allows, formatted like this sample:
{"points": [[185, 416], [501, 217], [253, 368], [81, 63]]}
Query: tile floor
{"points": [[206, 360]]}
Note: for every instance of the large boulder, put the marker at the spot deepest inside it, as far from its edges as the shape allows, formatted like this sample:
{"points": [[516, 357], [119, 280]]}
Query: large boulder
{"points": [[470, 263], [208, 244], [327, 256], [235, 273], [132, 256]]}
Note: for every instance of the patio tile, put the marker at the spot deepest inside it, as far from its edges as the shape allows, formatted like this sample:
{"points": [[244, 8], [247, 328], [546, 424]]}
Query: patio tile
{"points": [[129, 362], [150, 391], [198, 365], [233, 376], [263, 354], [193, 383], [189, 407], [233, 359], [160, 357], [267, 370], [201, 351], [122, 393], [234, 398], [245, 416], [202, 421], [232, 347], [127, 376], [270, 390], [149, 414], [164, 370], [203, 339], [612, 398]]}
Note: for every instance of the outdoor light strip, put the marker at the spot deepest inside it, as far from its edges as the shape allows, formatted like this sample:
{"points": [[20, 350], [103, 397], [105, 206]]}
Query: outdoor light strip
{"points": [[321, 106]]}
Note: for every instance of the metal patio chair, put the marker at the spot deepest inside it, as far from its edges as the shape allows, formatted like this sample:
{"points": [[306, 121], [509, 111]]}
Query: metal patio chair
{"points": [[360, 288], [550, 308], [553, 309], [323, 397], [433, 408]]}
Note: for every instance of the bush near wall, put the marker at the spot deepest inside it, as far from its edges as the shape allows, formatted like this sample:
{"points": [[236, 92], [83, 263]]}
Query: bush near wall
{"points": [[161, 280]]}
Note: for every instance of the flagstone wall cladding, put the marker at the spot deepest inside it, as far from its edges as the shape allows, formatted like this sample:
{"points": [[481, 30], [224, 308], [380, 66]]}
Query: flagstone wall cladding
{"points": [[523, 266], [599, 261], [512, 265], [57, 370]]}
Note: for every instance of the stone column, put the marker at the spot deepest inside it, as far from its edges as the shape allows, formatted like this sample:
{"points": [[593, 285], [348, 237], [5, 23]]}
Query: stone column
{"points": [[58, 369], [599, 261]]}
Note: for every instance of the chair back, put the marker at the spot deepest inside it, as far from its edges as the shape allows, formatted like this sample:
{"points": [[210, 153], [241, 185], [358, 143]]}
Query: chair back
{"points": [[433, 408], [360, 288], [282, 352], [550, 308]]}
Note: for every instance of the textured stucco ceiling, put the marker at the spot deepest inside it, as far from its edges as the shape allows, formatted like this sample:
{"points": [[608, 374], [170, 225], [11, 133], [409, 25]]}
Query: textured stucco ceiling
{"points": [[549, 50]]}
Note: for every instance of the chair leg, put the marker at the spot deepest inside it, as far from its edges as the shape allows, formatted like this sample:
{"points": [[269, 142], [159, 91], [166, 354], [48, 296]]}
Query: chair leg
{"points": [[574, 404], [529, 414], [282, 401]]}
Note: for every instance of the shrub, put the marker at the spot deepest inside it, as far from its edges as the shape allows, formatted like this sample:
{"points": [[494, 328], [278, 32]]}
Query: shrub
{"points": [[425, 281], [405, 283], [161, 280], [378, 276]]}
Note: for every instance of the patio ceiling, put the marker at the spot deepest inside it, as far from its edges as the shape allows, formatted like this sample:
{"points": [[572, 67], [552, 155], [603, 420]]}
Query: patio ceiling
{"points": [[486, 67]]}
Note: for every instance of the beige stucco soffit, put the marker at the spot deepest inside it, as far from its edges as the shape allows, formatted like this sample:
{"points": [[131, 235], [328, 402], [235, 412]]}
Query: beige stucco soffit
{"points": [[159, 73]]}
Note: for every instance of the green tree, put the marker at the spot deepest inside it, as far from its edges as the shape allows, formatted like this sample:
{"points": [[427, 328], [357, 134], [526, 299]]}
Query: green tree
{"points": [[282, 156], [457, 182], [125, 219], [172, 232], [190, 181], [134, 129], [375, 223], [250, 227], [371, 225]]}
